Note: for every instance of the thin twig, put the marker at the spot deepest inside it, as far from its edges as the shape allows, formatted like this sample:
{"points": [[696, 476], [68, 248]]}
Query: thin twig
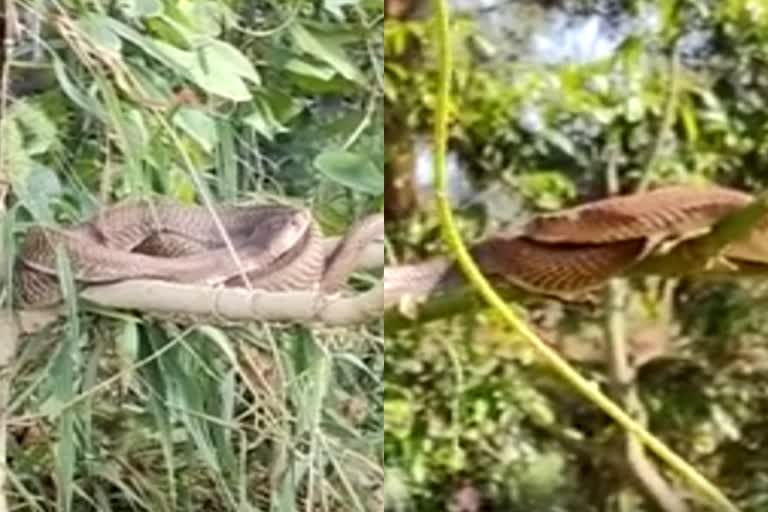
{"points": [[667, 121], [364, 122]]}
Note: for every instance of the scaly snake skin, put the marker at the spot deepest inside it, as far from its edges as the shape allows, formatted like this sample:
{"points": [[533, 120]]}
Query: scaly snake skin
{"points": [[272, 248], [580, 248], [672, 211]]}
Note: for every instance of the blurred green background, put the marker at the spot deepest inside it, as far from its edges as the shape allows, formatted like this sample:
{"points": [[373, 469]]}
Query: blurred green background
{"points": [[551, 100]]}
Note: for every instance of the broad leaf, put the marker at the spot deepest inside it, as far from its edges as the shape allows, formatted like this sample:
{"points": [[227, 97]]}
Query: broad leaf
{"points": [[302, 67], [99, 31], [217, 77], [228, 58], [141, 8], [351, 170], [79, 97], [197, 125], [263, 120], [37, 191], [326, 51]]}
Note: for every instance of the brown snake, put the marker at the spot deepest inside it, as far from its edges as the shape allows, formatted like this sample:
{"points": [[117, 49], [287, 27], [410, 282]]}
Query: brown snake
{"points": [[272, 248], [279, 248], [580, 248]]}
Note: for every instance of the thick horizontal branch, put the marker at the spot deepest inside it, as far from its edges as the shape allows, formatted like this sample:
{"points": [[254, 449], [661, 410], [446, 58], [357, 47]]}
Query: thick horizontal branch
{"points": [[238, 304], [220, 304]]}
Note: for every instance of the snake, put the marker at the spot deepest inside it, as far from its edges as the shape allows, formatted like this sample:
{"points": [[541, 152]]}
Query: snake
{"points": [[276, 247], [265, 247], [578, 249]]}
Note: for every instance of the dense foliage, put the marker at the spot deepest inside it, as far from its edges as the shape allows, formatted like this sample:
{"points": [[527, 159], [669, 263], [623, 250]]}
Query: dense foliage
{"points": [[467, 410], [238, 101]]}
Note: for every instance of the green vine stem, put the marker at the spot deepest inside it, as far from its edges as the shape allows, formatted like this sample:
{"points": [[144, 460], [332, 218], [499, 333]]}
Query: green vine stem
{"points": [[478, 281]]}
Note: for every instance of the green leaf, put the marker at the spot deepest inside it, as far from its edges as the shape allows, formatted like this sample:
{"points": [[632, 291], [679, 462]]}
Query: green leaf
{"points": [[136, 133], [74, 93], [229, 59], [263, 120], [561, 141], [175, 29], [147, 44], [208, 18], [284, 106], [98, 30], [181, 59], [39, 131], [327, 51], [199, 126], [216, 67], [141, 8], [37, 191], [336, 85], [154, 82], [544, 474], [351, 170], [212, 75], [302, 67], [15, 159]]}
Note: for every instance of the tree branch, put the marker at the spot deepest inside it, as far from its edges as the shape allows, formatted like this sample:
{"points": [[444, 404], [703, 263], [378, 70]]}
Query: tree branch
{"points": [[238, 303], [645, 473]]}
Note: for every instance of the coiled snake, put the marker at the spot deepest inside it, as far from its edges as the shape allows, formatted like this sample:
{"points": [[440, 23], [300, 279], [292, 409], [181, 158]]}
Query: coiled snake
{"points": [[272, 248], [580, 248]]}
